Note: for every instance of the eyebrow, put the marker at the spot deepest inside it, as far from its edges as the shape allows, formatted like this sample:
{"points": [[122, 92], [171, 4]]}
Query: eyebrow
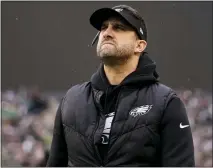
{"points": [[120, 23]]}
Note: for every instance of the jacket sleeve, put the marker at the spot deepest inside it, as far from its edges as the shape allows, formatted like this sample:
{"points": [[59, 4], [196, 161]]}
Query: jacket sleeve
{"points": [[177, 148], [58, 156]]}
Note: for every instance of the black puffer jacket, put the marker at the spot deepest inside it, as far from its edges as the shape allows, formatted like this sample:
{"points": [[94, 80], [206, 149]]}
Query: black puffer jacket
{"points": [[146, 125]]}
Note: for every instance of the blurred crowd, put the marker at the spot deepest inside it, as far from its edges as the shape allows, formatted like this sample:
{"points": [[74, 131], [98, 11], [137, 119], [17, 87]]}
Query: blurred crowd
{"points": [[27, 127], [199, 110], [28, 120]]}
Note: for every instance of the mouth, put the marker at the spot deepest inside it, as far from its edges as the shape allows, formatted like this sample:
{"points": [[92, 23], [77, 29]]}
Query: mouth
{"points": [[108, 43]]}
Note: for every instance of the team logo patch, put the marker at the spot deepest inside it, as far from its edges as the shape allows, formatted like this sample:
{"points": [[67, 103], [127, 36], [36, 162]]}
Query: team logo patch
{"points": [[142, 110]]}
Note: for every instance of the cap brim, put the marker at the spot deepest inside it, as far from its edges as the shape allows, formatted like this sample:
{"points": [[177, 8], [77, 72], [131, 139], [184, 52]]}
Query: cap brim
{"points": [[100, 15]]}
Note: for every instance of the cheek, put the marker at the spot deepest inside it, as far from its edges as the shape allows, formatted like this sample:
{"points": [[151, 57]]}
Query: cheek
{"points": [[100, 39], [127, 42], [98, 44]]}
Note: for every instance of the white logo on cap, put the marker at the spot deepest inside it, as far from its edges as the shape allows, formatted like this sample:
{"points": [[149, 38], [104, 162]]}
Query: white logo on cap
{"points": [[141, 31], [118, 9]]}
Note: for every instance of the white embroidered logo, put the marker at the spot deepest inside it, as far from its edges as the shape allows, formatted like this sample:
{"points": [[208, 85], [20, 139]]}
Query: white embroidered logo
{"points": [[138, 111], [183, 126], [118, 9], [141, 31]]}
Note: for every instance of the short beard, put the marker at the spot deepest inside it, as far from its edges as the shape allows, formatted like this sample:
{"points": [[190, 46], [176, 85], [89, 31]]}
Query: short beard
{"points": [[114, 60], [117, 57]]}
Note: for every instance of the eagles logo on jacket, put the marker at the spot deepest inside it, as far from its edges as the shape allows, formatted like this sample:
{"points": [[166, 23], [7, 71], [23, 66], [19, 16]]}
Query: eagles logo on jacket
{"points": [[134, 124]]}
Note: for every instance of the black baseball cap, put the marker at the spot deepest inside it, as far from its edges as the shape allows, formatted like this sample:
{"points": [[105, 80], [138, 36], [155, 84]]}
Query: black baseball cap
{"points": [[100, 15]]}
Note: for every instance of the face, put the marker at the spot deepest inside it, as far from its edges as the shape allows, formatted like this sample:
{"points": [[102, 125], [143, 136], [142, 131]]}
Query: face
{"points": [[117, 42]]}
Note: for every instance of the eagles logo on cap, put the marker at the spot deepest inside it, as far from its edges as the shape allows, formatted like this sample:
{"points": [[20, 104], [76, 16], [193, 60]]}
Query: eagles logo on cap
{"points": [[118, 9], [141, 30]]}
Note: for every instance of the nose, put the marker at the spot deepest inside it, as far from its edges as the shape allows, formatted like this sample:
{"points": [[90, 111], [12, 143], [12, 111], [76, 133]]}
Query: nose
{"points": [[108, 32]]}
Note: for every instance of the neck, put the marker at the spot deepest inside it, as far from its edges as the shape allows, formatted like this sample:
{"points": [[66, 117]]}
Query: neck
{"points": [[116, 74]]}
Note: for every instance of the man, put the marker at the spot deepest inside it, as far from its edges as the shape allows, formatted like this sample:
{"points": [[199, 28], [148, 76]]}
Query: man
{"points": [[123, 116]]}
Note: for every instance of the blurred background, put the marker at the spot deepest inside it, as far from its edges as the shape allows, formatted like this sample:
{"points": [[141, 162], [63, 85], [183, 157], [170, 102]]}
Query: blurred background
{"points": [[45, 49]]}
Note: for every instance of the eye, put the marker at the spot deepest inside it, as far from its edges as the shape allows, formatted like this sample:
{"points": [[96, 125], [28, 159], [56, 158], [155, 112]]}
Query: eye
{"points": [[119, 27], [103, 27]]}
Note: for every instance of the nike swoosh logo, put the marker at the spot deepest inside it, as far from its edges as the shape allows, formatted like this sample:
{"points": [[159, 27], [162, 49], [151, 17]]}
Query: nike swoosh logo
{"points": [[183, 126]]}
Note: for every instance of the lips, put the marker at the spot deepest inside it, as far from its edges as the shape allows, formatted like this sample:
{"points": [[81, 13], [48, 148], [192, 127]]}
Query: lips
{"points": [[107, 43]]}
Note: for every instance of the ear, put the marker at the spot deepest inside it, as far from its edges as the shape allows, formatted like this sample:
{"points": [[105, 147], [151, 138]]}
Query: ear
{"points": [[140, 46]]}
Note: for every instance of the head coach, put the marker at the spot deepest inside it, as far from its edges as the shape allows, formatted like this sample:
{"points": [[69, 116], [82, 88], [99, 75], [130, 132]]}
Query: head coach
{"points": [[123, 116]]}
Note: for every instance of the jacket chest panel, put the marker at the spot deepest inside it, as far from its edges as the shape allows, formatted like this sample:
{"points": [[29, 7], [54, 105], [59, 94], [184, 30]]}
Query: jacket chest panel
{"points": [[80, 115], [140, 111]]}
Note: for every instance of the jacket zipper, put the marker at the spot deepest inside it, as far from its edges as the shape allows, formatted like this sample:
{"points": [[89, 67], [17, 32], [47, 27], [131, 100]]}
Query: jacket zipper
{"points": [[106, 100], [106, 112], [96, 148], [96, 127]]}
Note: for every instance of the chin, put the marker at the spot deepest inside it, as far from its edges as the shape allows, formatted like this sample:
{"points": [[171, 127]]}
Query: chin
{"points": [[106, 55]]}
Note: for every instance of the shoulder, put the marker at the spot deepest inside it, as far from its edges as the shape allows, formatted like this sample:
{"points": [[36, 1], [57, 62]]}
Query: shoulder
{"points": [[164, 89], [164, 92], [76, 91]]}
